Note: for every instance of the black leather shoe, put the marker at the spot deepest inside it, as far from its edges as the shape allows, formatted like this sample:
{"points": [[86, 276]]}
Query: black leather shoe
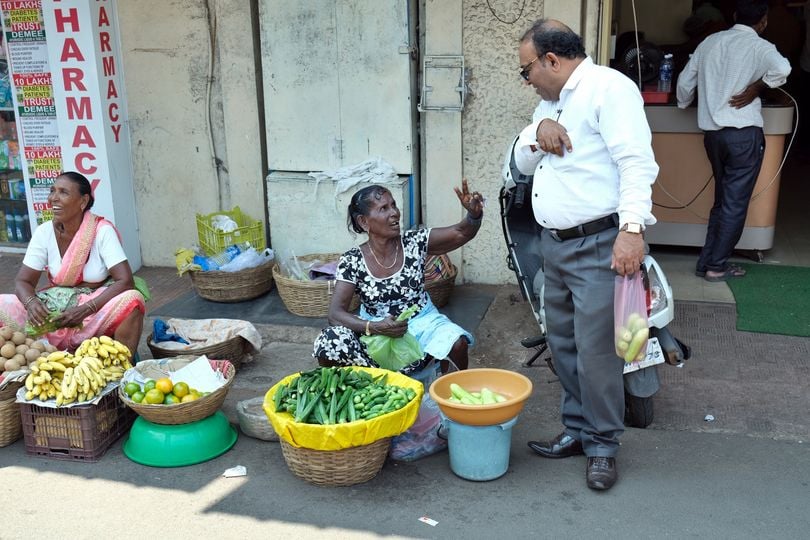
{"points": [[601, 473], [562, 446]]}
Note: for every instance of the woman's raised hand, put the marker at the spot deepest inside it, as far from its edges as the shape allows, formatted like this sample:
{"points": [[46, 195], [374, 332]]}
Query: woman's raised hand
{"points": [[472, 202]]}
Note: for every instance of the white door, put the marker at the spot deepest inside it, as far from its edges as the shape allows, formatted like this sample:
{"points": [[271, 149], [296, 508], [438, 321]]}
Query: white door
{"points": [[337, 86]]}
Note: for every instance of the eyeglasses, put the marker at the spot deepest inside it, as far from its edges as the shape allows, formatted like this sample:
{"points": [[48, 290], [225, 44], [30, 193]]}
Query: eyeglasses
{"points": [[524, 70]]}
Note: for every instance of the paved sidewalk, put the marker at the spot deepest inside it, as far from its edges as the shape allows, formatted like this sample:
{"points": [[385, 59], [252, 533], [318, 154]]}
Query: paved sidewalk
{"points": [[744, 475]]}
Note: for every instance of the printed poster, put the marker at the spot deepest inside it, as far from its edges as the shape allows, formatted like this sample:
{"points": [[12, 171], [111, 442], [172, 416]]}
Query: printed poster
{"points": [[37, 126]]}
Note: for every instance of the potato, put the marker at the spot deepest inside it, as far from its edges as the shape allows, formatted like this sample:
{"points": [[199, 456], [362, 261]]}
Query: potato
{"points": [[38, 345], [11, 365], [8, 350], [20, 359], [50, 348], [22, 348], [6, 332], [18, 338], [28, 341], [31, 355]]}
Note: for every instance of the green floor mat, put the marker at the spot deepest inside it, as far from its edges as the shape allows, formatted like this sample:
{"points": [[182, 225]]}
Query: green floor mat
{"points": [[773, 299]]}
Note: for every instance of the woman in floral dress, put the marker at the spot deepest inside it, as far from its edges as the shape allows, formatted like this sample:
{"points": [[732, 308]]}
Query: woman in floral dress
{"points": [[387, 273]]}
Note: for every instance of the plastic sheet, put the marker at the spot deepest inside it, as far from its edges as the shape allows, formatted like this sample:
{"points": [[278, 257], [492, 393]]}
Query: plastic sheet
{"points": [[350, 434]]}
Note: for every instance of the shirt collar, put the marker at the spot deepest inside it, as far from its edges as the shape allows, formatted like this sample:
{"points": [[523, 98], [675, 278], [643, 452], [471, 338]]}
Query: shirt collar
{"points": [[577, 75], [743, 28]]}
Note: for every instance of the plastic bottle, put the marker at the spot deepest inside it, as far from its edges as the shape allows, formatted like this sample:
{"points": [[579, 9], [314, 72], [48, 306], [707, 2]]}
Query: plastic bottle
{"points": [[26, 228], [665, 74], [215, 262], [11, 228], [18, 228]]}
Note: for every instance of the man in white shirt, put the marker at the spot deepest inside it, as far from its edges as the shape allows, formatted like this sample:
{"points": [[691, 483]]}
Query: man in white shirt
{"points": [[589, 149], [729, 70]]}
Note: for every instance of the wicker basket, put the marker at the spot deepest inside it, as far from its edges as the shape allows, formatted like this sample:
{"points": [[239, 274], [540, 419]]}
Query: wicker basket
{"points": [[10, 389], [184, 413], [308, 298], [253, 421], [232, 350], [231, 287], [345, 467], [10, 422], [441, 289]]}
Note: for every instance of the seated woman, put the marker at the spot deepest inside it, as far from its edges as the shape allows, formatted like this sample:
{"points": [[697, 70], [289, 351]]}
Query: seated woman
{"points": [[90, 281], [387, 273]]}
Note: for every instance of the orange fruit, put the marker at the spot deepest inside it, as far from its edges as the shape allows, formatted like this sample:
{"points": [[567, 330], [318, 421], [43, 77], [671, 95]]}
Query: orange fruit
{"points": [[137, 397], [164, 385], [189, 397], [148, 385], [180, 389], [170, 399], [154, 397]]}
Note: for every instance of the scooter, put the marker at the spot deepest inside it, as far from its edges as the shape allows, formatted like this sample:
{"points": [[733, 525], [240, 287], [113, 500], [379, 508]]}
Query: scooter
{"points": [[520, 229]]}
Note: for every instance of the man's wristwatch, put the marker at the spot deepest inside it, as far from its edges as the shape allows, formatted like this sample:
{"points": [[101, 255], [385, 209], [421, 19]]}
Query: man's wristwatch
{"points": [[633, 228]]}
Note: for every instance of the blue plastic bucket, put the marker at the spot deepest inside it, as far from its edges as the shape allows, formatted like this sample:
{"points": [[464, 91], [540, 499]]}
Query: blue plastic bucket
{"points": [[479, 452]]}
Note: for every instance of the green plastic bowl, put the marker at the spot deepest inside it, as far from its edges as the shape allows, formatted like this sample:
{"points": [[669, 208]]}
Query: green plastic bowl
{"points": [[159, 445]]}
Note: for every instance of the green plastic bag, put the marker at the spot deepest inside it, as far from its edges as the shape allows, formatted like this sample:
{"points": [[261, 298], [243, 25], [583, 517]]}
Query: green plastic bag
{"points": [[394, 353]]}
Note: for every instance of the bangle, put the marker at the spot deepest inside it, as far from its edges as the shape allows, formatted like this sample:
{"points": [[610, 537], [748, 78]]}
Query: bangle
{"points": [[475, 221], [92, 304], [368, 333], [27, 301]]}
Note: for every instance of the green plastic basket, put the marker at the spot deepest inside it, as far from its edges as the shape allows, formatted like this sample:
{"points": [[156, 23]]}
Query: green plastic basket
{"points": [[214, 241]]}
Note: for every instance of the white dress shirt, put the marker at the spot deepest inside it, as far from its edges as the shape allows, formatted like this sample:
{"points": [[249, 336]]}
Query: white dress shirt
{"points": [[611, 167], [721, 67]]}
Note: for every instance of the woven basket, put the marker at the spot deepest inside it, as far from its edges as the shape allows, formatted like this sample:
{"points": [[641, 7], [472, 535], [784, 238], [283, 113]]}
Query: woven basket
{"points": [[345, 467], [232, 350], [234, 286], [10, 389], [308, 298], [441, 289], [253, 421], [10, 422], [184, 413]]}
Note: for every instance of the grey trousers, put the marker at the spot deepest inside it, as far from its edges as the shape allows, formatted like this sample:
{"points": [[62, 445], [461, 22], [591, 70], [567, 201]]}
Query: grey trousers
{"points": [[578, 303]]}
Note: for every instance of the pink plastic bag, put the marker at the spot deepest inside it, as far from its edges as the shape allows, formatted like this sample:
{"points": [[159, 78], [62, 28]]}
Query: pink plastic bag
{"points": [[630, 317]]}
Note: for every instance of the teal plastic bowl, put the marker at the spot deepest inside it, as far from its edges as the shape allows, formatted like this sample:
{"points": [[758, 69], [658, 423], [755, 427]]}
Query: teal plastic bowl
{"points": [[159, 445]]}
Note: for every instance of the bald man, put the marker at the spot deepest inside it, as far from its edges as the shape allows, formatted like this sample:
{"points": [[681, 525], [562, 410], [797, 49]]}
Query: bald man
{"points": [[589, 149]]}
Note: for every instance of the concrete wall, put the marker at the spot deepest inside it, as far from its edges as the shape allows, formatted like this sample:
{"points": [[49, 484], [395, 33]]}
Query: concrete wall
{"points": [[165, 46], [498, 106], [165, 49]]}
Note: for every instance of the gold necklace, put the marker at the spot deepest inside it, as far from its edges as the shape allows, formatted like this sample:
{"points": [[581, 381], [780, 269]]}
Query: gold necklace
{"points": [[381, 265]]}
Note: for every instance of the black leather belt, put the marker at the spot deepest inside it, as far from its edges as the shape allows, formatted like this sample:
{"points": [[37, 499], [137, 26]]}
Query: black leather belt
{"points": [[592, 227]]}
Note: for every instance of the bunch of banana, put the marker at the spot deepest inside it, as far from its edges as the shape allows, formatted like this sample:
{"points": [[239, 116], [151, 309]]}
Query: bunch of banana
{"points": [[86, 380], [69, 378], [47, 375], [109, 351]]}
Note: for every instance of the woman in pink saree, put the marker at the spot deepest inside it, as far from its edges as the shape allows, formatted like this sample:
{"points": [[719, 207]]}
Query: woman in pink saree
{"points": [[91, 290]]}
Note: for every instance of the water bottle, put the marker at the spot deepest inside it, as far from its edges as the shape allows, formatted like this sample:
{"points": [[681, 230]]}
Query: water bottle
{"points": [[11, 226], [18, 228], [665, 74], [215, 262], [26, 227]]}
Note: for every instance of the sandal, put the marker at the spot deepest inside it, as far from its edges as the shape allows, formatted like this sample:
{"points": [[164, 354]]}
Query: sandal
{"points": [[730, 272], [702, 273]]}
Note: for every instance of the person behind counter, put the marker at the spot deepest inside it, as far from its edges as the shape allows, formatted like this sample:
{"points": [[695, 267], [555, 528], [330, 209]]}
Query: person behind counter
{"points": [[90, 281], [387, 273], [729, 70]]}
